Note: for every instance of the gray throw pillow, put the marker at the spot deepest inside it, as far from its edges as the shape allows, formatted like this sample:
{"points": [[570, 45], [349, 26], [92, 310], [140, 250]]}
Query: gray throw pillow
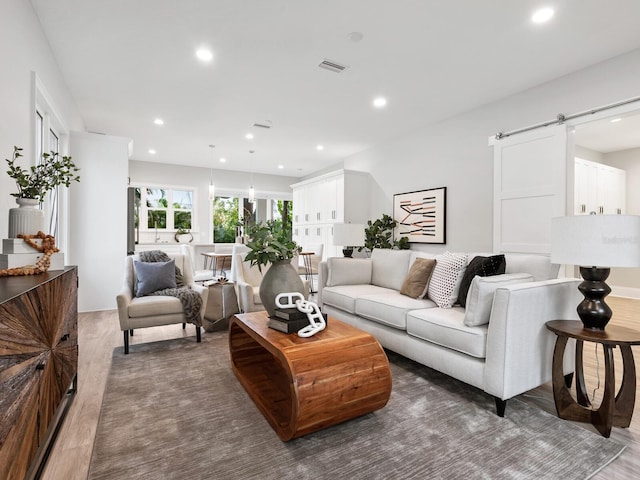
{"points": [[153, 276]]}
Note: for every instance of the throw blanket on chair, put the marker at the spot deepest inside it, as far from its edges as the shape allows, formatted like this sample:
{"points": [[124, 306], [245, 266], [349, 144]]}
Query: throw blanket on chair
{"points": [[190, 299]]}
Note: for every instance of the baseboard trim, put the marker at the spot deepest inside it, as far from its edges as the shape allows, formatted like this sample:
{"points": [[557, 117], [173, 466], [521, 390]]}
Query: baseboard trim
{"points": [[626, 292]]}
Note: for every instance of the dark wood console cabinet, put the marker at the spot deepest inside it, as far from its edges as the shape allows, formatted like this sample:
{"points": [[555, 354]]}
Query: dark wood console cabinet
{"points": [[38, 366]]}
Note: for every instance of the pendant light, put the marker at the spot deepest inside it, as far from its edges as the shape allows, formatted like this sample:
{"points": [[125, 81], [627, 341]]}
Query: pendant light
{"points": [[252, 194]]}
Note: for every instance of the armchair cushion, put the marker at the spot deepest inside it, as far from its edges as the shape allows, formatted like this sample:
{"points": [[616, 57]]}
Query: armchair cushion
{"points": [[153, 276]]}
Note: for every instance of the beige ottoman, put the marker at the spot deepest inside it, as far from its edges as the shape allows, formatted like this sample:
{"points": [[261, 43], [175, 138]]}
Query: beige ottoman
{"points": [[221, 304]]}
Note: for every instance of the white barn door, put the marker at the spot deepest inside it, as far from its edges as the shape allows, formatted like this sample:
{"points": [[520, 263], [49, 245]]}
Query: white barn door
{"points": [[529, 188]]}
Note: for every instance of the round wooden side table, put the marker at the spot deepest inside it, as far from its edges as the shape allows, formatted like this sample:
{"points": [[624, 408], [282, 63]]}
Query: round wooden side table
{"points": [[615, 410]]}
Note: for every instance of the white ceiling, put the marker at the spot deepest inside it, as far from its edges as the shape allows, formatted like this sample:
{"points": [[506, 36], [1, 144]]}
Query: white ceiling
{"points": [[127, 62], [605, 136]]}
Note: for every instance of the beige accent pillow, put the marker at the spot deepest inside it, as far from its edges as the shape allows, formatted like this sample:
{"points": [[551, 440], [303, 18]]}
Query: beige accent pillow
{"points": [[416, 283]]}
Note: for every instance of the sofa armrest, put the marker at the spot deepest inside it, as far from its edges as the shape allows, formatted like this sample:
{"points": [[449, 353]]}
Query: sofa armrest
{"points": [[323, 273], [123, 299], [519, 346]]}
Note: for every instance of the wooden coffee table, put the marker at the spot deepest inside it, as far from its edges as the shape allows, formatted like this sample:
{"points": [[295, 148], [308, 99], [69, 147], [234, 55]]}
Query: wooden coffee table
{"points": [[302, 385]]}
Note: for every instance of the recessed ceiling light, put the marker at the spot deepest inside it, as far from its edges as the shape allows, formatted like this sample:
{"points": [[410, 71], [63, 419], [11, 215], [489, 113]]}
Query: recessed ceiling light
{"points": [[380, 102], [223, 160], [615, 120], [249, 136], [158, 121], [152, 151], [280, 167], [204, 54], [319, 147], [542, 15]]}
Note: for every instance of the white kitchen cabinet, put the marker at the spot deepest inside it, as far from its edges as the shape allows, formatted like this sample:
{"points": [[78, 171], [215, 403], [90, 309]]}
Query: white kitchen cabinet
{"points": [[599, 188], [336, 197]]}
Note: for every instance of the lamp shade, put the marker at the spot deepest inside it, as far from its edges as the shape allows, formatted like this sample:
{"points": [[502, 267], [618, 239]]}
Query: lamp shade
{"points": [[596, 240], [348, 234]]}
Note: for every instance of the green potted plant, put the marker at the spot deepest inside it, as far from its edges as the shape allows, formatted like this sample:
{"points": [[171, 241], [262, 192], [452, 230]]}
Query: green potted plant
{"points": [[33, 185], [379, 233], [40, 179], [271, 245]]}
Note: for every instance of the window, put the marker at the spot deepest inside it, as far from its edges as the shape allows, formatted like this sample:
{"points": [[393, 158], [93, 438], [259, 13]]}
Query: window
{"points": [[47, 140], [228, 215], [165, 208]]}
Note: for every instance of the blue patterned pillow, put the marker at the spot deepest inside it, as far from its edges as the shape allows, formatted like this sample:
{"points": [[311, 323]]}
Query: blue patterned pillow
{"points": [[153, 276]]}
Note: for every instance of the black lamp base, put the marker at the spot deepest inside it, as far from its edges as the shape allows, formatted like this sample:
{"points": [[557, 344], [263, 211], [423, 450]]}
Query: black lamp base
{"points": [[593, 311], [347, 251]]}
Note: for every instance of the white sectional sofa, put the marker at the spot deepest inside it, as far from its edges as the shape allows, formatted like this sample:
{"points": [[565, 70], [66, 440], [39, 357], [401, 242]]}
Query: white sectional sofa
{"points": [[508, 355]]}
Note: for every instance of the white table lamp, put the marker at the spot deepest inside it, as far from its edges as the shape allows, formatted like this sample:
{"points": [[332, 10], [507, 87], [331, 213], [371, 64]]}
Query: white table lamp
{"points": [[348, 235], [595, 243]]}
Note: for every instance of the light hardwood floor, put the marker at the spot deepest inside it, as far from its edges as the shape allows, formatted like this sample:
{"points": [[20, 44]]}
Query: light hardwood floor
{"points": [[99, 334]]}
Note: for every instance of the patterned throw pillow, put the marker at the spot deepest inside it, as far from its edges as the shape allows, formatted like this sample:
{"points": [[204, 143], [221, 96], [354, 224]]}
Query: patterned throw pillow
{"points": [[416, 282], [482, 267], [446, 278]]}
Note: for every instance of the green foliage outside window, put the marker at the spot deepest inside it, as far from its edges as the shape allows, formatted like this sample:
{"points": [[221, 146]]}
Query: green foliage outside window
{"points": [[225, 219]]}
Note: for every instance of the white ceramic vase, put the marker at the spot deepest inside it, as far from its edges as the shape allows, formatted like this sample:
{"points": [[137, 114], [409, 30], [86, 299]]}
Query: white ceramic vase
{"points": [[27, 219]]}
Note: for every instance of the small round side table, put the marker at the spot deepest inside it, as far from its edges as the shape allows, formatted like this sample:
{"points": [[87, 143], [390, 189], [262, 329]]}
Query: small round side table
{"points": [[615, 410]]}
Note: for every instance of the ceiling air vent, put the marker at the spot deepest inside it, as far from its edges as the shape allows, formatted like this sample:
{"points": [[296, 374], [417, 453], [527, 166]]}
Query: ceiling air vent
{"points": [[262, 125], [333, 66]]}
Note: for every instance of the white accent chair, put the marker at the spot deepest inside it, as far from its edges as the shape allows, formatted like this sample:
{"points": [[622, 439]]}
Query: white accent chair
{"points": [[152, 311], [199, 276], [247, 279]]}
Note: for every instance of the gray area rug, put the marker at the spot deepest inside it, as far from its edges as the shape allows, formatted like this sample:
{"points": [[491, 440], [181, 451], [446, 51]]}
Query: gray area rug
{"points": [[174, 410]]}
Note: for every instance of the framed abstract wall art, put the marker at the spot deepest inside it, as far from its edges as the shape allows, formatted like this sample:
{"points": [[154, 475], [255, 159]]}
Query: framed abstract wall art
{"points": [[421, 215]]}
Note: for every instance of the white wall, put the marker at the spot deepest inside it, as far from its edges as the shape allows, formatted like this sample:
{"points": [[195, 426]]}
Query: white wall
{"points": [[454, 153], [24, 50], [98, 206], [225, 181], [588, 154]]}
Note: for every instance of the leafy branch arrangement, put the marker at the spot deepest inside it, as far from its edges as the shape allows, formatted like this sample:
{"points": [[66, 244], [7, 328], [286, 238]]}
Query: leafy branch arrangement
{"points": [[270, 243], [36, 182]]}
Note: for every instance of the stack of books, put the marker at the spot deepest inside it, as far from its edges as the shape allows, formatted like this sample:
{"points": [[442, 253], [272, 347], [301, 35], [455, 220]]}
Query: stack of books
{"points": [[289, 320], [17, 253]]}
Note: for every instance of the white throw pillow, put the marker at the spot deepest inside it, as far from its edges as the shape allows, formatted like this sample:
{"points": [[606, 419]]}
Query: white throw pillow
{"points": [[480, 297], [446, 278]]}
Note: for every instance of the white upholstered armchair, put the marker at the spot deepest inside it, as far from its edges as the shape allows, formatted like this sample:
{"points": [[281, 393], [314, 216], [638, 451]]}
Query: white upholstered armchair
{"points": [[151, 311]]}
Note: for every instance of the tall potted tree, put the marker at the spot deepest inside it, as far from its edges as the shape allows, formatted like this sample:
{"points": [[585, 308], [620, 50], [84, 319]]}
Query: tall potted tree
{"points": [[33, 186], [271, 244]]}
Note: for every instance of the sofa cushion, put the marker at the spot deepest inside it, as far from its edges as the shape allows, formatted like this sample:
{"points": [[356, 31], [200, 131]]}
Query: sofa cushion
{"points": [[482, 267], [389, 267], [344, 296], [480, 298], [446, 327], [153, 276], [348, 271], [446, 278], [389, 308], [416, 282]]}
